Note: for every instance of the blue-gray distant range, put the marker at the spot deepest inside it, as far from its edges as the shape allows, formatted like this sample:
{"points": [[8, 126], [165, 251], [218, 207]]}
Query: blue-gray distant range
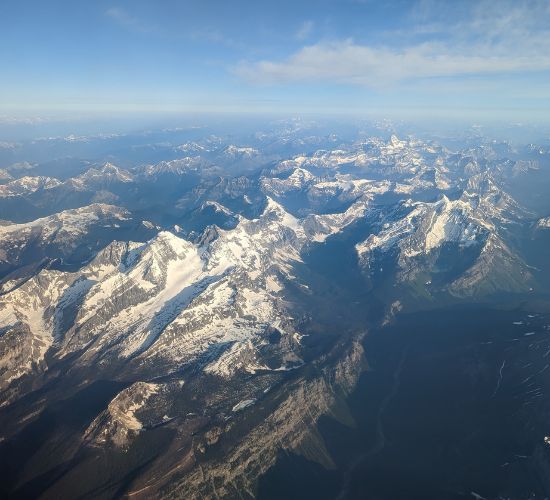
{"points": [[284, 310]]}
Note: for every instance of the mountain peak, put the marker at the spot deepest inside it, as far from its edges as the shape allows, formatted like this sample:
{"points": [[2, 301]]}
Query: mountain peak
{"points": [[169, 239], [396, 142]]}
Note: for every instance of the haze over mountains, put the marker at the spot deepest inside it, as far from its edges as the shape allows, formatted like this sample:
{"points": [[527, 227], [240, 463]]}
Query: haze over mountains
{"points": [[188, 314]]}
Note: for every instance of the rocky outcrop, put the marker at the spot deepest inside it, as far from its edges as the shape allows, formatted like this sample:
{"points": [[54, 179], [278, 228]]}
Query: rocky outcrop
{"points": [[290, 426]]}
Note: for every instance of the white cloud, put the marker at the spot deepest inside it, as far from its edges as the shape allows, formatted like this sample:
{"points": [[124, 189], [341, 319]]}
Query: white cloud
{"points": [[347, 62], [491, 39]]}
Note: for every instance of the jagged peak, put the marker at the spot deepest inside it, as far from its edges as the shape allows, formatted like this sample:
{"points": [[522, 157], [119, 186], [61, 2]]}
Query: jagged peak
{"points": [[153, 259], [177, 167], [273, 206], [444, 200], [107, 171], [210, 234], [170, 239], [218, 207], [301, 173], [396, 142], [274, 209], [115, 254], [110, 166], [31, 183], [74, 216]]}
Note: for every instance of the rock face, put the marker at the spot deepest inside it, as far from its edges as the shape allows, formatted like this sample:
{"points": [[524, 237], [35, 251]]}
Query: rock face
{"points": [[180, 339], [290, 426], [119, 422]]}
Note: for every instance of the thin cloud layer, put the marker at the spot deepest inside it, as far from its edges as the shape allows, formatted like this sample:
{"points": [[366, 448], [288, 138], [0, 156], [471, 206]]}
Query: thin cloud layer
{"points": [[124, 18], [513, 40], [305, 30], [347, 62]]}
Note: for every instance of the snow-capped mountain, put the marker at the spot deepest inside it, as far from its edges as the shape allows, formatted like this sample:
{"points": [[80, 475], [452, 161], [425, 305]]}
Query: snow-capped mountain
{"points": [[207, 310], [98, 178], [164, 303], [449, 244], [71, 236], [170, 301], [27, 185]]}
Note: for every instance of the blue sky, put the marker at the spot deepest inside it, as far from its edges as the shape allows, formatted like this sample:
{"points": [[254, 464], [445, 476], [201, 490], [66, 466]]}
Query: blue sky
{"points": [[426, 57]]}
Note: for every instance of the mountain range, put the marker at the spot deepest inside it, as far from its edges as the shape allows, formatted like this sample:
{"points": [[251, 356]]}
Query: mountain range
{"points": [[169, 329]]}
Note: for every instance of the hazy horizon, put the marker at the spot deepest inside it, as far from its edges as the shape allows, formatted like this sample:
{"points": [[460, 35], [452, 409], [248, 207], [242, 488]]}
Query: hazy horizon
{"points": [[402, 59]]}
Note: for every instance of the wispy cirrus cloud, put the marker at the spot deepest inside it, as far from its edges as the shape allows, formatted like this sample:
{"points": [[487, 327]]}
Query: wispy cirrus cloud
{"points": [[127, 20], [509, 39], [305, 30]]}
